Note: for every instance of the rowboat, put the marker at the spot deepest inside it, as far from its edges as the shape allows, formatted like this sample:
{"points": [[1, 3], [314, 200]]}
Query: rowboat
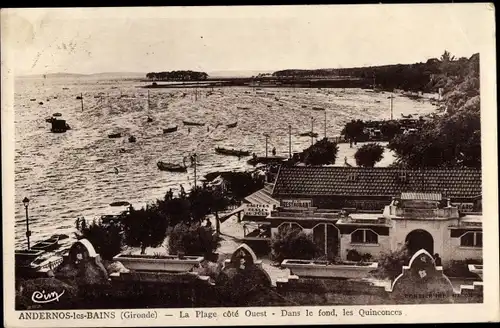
{"points": [[318, 108], [170, 129], [232, 125], [47, 245], [193, 123], [309, 134], [231, 152], [163, 166], [114, 135], [57, 114]]}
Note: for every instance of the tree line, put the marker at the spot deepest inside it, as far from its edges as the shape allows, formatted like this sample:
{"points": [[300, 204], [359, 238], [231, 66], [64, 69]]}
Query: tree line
{"points": [[177, 76], [423, 77]]}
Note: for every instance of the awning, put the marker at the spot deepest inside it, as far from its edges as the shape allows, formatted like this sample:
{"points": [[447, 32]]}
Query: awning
{"points": [[262, 197], [421, 196]]}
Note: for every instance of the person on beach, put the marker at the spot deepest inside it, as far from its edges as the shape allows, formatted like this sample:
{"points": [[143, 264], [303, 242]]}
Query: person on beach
{"points": [[437, 259]]}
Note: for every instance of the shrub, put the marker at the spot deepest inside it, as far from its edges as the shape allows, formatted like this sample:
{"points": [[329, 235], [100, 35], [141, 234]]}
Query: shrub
{"points": [[106, 238], [192, 239], [354, 255], [292, 243], [369, 154], [391, 264]]}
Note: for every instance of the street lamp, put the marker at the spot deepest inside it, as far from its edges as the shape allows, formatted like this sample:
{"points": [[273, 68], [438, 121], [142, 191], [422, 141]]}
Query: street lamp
{"points": [[26, 203]]}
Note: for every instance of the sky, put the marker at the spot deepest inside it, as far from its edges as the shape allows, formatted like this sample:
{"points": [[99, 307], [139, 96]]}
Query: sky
{"points": [[93, 40]]}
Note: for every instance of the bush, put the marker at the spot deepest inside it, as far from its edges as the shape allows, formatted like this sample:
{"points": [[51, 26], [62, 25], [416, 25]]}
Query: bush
{"points": [[369, 154], [461, 268], [106, 238], [292, 243], [391, 264], [355, 256], [192, 239]]}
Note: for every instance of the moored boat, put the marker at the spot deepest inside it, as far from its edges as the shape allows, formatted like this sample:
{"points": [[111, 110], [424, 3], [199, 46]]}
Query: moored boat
{"points": [[163, 166], [232, 152], [47, 245], [318, 108], [58, 126], [193, 123], [170, 129], [57, 114], [309, 134], [232, 125], [114, 135]]}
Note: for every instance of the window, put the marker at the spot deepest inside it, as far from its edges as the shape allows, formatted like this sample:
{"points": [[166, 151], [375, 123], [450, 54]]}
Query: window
{"points": [[352, 177], [289, 225], [472, 239], [402, 177], [364, 236]]}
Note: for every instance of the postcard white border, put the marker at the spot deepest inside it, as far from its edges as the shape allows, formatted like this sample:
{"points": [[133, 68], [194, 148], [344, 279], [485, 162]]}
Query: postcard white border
{"points": [[488, 311]]}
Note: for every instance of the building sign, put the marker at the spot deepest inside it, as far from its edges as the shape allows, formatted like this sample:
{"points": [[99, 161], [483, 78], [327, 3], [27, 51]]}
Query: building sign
{"points": [[296, 203], [464, 207], [258, 209]]}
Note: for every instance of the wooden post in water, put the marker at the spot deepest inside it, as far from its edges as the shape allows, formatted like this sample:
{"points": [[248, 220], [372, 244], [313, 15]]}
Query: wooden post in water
{"points": [[325, 123], [312, 131], [81, 99], [267, 136], [391, 98], [289, 140], [194, 157]]}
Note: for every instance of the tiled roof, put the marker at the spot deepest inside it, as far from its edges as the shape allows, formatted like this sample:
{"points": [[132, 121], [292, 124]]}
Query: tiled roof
{"points": [[382, 181]]}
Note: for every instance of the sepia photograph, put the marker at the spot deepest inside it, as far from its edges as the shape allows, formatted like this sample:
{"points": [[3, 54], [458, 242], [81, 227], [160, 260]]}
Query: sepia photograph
{"points": [[259, 164]]}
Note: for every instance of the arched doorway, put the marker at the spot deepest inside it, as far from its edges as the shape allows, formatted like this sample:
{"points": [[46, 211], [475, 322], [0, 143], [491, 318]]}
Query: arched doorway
{"points": [[327, 237], [419, 239]]}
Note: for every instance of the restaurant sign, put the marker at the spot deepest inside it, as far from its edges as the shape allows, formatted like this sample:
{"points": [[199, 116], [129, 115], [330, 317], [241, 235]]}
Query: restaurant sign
{"points": [[258, 209], [296, 203]]}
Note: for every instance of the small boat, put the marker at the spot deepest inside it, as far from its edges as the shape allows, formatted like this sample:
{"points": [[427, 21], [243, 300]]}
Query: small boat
{"points": [[232, 125], [231, 152], [406, 116], [119, 204], [32, 99], [65, 88], [163, 166], [309, 134], [115, 135], [47, 245], [132, 139], [59, 126], [78, 97], [170, 129], [193, 123], [40, 103], [304, 106], [317, 108], [150, 119], [242, 107], [57, 114]]}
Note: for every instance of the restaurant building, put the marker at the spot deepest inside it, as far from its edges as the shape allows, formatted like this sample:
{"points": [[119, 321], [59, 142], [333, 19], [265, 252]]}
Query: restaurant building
{"points": [[375, 210]]}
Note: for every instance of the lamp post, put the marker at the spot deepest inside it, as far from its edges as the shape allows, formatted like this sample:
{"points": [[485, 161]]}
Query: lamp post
{"points": [[26, 203]]}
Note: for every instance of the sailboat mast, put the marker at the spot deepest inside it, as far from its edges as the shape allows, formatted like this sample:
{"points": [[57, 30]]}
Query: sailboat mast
{"points": [[290, 140], [81, 99]]}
